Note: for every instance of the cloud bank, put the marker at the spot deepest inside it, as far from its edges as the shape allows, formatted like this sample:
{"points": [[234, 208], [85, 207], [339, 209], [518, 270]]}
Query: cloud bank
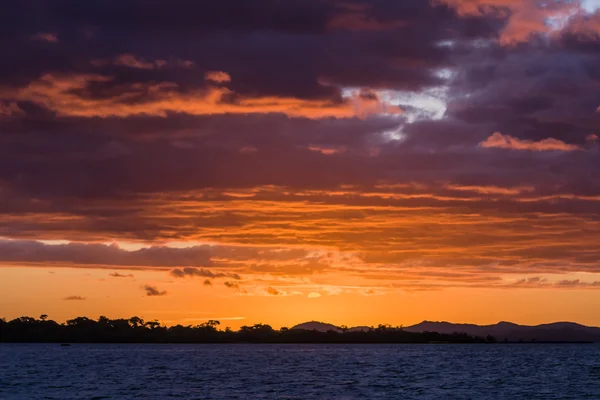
{"points": [[399, 145]]}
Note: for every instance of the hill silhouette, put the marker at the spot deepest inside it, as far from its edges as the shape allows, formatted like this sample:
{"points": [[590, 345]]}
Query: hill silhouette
{"points": [[507, 331], [317, 326], [502, 331]]}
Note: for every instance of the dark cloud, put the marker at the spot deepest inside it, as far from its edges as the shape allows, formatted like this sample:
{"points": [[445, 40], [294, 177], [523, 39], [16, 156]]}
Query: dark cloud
{"points": [[102, 255], [535, 281], [564, 283], [272, 291], [207, 282], [195, 272], [397, 42], [118, 275], [153, 291], [232, 285], [242, 258], [577, 283], [274, 126], [75, 298]]}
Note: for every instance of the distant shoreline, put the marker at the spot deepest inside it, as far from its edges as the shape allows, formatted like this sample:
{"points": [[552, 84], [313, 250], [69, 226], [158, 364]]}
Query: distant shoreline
{"points": [[136, 330]]}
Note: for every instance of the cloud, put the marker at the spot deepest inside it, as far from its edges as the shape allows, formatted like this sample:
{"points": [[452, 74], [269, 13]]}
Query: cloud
{"points": [[492, 190], [74, 298], [566, 282], [320, 172], [229, 259], [343, 232], [583, 25], [131, 61], [523, 19], [357, 19], [500, 141], [217, 76], [368, 102], [324, 36], [10, 109], [103, 255], [207, 282], [45, 37], [272, 291], [71, 96], [563, 283], [153, 291], [232, 285], [577, 283], [325, 151], [533, 281], [118, 275], [314, 295], [193, 272]]}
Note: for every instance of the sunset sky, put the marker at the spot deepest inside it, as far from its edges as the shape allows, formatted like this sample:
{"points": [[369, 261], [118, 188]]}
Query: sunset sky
{"points": [[355, 161]]}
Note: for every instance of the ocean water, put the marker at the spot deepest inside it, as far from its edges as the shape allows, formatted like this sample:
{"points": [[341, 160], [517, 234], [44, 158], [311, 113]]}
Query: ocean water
{"points": [[48, 371]]}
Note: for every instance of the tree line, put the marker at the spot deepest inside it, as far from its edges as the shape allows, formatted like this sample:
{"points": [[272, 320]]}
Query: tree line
{"points": [[136, 330]]}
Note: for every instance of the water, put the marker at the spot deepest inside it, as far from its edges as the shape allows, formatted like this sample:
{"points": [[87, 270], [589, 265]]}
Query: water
{"points": [[48, 371]]}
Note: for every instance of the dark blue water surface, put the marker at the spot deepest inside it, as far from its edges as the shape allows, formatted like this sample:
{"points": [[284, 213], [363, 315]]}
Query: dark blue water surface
{"points": [[48, 371]]}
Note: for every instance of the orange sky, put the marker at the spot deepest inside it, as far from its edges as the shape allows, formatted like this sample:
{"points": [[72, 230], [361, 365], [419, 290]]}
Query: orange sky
{"points": [[33, 291], [393, 254], [354, 162]]}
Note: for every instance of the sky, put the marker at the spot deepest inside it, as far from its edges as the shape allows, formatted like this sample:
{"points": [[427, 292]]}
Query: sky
{"points": [[268, 161]]}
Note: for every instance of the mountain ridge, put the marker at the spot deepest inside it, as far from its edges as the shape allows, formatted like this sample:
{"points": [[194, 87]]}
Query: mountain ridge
{"points": [[562, 331]]}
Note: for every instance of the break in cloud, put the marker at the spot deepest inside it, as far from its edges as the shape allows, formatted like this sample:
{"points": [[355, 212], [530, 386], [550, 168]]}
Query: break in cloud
{"points": [[398, 145]]}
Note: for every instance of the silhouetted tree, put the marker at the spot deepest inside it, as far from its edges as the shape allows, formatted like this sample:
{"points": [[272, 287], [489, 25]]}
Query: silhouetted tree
{"points": [[136, 330], [136, 322], [153, 324]]}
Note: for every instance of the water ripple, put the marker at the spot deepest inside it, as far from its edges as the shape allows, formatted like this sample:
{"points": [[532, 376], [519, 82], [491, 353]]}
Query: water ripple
{"points": [[47, 371]]}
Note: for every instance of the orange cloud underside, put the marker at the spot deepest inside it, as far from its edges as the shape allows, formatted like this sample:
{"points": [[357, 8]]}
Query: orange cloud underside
{"points": [[498, 140], [389, 242], [70, 96], [527, 18]]}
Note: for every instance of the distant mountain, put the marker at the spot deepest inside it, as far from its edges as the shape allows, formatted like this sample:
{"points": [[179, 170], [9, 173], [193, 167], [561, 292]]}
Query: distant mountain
{"points": [[360, 329], [324, 327], [317, 326], [502, 331], [555, 332]]}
